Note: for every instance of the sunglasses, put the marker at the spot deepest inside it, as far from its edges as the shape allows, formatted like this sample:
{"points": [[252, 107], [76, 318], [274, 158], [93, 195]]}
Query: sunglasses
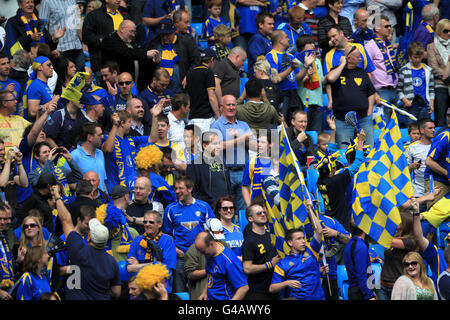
{"points": [[123, 83], [260, 213], [227, 208], [446, 31], [412, 263], [148, 222], [31, 225], [388, 26]]}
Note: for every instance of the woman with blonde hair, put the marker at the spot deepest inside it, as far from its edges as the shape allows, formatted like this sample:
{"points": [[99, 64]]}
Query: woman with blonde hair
{"points": [[414, 284], [270, 79], [31, 235]]}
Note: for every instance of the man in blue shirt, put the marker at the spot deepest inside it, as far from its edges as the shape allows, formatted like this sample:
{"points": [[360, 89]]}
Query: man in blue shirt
{"points": [[183, 220], [9, 84], [88, 154], [247, 10], [157, 89], [226, 278], [296, 27], [259, 44]]}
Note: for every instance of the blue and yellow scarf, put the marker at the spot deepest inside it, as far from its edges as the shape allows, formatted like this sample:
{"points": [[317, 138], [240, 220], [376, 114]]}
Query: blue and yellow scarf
{"points": [[390, 67], [169, 58], [28, 29], [7, 273]]}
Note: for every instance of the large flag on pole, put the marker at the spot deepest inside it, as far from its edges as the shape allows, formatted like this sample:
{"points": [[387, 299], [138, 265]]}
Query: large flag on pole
{"points": [[381, 186]]}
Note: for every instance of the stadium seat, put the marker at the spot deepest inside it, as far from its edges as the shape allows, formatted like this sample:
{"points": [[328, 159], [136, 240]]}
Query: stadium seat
{"points": [[203, 44], [342, 278], [376, 134], [198, 28], [245, 66], [183, 295], [405, 137], [243, 82], [344, 291], [378, 249], [242, 220], [325, 100], [124, 274], [313, 135], [311, 182]]}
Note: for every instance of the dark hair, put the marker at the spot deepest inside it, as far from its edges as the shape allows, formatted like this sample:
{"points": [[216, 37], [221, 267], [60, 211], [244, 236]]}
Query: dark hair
{"points": [[354, 230], [259, 19], [162, 118], [413, 126], [83, 188], [328, 3], [178, 100], [218, 204], [61, 71], [88, 129], [421, 123], [3, 55], [112, 66], [290, 233], [302, 41], [195, 129], [253, 88], [337, 27], [188, 182], [43, 49], [167, 152], [37, 147], [206, 136], [87, 211]]}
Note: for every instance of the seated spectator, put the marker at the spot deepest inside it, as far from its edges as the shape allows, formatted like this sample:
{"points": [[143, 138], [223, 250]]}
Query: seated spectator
{"points": [[438, 59], [296, 27], [150, 280], [413, 134], [119, 94], [323, 139], [214, 20], [257, 112], [443, 284], [8, 84], [415, 86], [20, 63], [222, 38]]}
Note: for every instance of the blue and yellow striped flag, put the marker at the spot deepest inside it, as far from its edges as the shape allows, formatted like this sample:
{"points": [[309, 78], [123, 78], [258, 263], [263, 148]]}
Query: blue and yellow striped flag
{"points": [[381, 186], [12, 44]]}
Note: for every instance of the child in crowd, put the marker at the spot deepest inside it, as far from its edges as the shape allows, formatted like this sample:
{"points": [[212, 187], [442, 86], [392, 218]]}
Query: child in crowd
{"points": [[311, 90], [416, 84], [323, 139], [222, 38], [214, 19], [413, 133]]}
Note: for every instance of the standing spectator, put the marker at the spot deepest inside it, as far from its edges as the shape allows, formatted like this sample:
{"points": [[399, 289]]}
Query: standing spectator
{"points": [[139, 127], [224, 270], [236, 138], [99, 272], [270, 79], [415, 86], [157, 89], [416, 155], [225, 211], [119, 94], [348, 92], [178, 53], [226, 71], [32, 284], [83, 198], [300, 272], [287, 67], [99, 196], [439, 60], [12, 126], [214, 20], [357, 260], [182, 22], [425, 30], [257, 112], [310, 18], [152, 246], [296, 27], [6, 83], [258, 255], [247, 11], [20, 63], [443, 284], [259, 44], [301, 142], [153, 13], [210, 175], [333, 18], [96, 26], [382, 54], [414, 284], [88, 154], [38, 92], [63, 15], [120, 152], [363, 33], [222, 38], [186, 212], [12, 174], [386, 8], [120, 47], [180, 110], [201, 87]]}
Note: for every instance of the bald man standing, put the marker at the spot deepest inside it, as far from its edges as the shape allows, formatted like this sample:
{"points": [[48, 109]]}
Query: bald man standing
{"points": [[119, 46]]}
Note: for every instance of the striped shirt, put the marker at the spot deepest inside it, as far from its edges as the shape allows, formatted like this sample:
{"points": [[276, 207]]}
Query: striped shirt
{"points": [[62, 13], [312, 22]]}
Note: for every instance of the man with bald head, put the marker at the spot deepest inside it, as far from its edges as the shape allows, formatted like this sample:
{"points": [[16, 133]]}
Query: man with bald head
{"points": [[363, 33], [141, 203], [351, 90], [99, 196], [120, 47], [139, 127]]}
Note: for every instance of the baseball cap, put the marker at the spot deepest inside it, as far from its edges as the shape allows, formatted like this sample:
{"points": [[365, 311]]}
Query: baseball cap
{"points": [[119, 191], [165, 26], [215, 228], [208, 53], [99, 233]]}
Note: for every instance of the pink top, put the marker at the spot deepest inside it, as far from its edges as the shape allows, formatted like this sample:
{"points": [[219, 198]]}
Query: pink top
{"points": [[380, 78]]}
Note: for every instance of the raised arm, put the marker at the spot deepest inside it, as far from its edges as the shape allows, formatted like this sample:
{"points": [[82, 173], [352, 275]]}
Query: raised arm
{"points": [[63, 214]]}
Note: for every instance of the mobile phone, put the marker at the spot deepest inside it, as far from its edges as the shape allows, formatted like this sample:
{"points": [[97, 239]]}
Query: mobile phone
{"points": [[59, 150]]}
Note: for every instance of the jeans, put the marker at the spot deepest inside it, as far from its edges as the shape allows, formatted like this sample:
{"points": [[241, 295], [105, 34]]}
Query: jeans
{"points": [[384, 293], [179, 278], [441, 103], [391, 96], [345, 132], [236, 187], [315, 118]]}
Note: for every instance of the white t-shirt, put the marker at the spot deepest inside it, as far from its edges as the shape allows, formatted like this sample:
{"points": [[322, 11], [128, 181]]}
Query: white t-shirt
{"points": [[415, 152]]}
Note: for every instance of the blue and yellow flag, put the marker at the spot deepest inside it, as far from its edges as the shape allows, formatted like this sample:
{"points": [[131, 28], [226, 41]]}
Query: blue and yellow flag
{"points": [[12, 44], [381, 186], [439, 212]]}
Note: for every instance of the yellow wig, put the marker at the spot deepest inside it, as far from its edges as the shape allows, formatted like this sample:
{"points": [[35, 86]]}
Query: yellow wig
{"points": [[148, 157], [151, 275]]}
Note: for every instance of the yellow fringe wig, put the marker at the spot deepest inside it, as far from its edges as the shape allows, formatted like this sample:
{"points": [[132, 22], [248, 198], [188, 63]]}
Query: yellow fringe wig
{"points": [[151, 275], [148, 157]]}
